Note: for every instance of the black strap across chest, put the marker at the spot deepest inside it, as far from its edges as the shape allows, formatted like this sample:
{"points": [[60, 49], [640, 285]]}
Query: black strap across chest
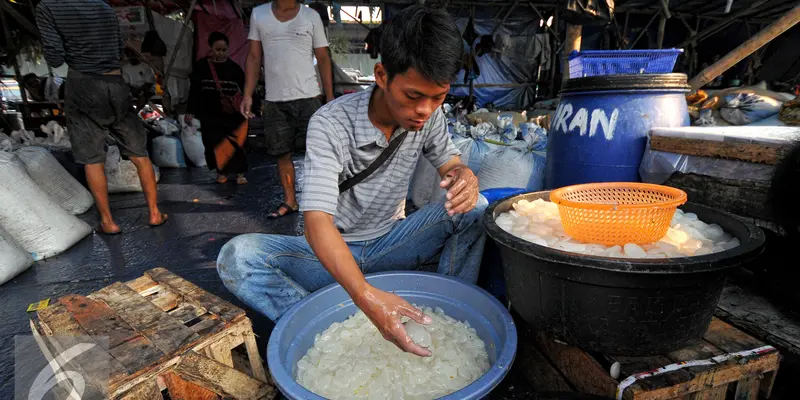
{"points": [[385, 155]]}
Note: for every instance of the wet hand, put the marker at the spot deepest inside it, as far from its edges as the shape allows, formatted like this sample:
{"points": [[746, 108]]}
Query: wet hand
{"points": [[385, 310], [462, 190], [245, 107]]}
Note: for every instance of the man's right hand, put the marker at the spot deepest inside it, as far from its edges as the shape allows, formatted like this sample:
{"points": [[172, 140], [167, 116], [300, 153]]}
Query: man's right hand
{"points": [[384, 310], [247, 104]]}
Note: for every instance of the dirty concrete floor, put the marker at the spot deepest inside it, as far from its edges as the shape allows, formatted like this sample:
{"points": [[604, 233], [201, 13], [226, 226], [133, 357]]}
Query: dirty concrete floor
{"points": [[203, 216]]}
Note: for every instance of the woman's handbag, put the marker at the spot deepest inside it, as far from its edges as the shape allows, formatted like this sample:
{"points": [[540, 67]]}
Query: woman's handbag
{"points": [[228, 104]]}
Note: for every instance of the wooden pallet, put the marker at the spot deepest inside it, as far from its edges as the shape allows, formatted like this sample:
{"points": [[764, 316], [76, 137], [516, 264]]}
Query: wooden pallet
{"points": [[554, 366], [765, 153], [164, 334]]}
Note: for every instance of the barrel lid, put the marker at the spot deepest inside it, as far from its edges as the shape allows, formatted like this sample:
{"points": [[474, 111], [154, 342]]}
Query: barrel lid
{"points": [[627, 82]]}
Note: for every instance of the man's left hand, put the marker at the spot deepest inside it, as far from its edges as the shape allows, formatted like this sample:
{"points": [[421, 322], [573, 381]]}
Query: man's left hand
{"points": [[462, 190], [329, 99]]}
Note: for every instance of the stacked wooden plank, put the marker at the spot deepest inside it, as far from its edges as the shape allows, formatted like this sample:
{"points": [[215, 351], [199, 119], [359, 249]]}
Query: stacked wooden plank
{"points": [[744, 366], [164, 334], [739, 182]]}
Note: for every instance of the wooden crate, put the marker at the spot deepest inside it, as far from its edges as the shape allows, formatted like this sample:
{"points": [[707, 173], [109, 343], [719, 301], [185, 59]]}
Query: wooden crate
{"points": [[554, 366], [164, 334]]}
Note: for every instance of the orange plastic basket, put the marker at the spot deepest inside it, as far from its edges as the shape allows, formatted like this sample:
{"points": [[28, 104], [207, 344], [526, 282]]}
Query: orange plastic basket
{"points": [[617, 213]]}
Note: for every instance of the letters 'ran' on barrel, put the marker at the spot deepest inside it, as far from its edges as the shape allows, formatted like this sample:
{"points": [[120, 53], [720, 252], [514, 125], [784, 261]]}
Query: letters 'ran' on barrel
{"points": [[599, 130]]}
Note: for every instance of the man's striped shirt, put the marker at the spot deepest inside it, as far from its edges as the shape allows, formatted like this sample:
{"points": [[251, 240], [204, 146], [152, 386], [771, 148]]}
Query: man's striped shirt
{"points": [[84, 34], [342, 142]]}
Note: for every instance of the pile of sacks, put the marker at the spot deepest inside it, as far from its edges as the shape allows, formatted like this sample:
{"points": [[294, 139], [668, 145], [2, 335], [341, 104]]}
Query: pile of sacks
{"points": [[502, 153], [736, 106], [40, 200], [56, 137], [169, 149]]}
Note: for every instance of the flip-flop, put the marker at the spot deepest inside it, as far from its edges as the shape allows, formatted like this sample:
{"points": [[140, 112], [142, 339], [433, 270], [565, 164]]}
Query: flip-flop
{"points": [[276, 214], [164, 218]]}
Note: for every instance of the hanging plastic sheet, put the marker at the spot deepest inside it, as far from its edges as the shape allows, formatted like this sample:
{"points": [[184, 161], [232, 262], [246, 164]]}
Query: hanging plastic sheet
{"points": [[513, 63]]}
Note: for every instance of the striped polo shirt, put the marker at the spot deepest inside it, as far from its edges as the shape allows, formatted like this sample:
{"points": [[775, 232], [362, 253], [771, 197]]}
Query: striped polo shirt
{"points": [[84, 34], [341, 143]]}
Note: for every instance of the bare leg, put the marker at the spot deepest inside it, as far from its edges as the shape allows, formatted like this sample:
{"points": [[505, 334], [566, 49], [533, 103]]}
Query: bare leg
{"points": [[148, 177], [286, 174], [96, 178]]}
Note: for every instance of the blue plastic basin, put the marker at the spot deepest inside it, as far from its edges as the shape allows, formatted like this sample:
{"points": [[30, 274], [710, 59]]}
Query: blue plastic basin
{"points": [[495, 194], [294, 333]]}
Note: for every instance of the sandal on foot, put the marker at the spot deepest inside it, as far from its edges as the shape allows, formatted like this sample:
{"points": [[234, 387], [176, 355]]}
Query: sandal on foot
{"points": [[222, 179], [277, 213], [240, 180], [164, 218]]}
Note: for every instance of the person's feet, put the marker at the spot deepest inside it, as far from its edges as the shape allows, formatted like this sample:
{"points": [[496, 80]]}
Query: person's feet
{"points": [[158, 219], [240, 179], [222, 179], [109, 228], [283, 210]]}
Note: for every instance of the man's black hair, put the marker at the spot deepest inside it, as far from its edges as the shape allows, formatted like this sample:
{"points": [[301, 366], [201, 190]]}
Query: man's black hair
{"points": [[215, 37], [426, 39]]}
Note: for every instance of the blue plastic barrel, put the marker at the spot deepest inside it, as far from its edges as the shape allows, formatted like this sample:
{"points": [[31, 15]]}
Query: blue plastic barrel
{"points": [[294, 333], [599, 130]]}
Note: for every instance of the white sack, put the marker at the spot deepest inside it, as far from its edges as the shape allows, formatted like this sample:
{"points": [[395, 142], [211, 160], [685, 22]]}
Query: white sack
{"points": [[121, 174], [36, 222], [13, 258], [193, 142], [168, 152], [520, 165], [54, 180], [746, 108]]}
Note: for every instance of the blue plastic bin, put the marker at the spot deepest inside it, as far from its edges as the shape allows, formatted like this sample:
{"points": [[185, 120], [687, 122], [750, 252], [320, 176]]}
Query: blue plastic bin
{"points": [[617, 62], [294, 333]]}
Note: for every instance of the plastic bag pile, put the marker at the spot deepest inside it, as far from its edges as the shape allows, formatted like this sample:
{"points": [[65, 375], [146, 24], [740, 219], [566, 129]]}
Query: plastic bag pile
{"points": [[500, 153], [753, 105], [56, 137], [170, 151]]}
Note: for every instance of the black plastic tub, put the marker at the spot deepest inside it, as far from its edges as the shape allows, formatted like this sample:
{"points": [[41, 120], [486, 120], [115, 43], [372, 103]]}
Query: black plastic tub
{"points": [[618, 306]]}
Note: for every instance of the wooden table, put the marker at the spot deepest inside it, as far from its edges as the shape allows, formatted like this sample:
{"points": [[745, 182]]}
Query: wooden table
{"points": [[555, 366], [164, 334]]}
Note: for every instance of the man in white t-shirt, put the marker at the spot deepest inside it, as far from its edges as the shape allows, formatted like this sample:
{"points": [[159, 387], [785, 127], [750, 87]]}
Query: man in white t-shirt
{"points": [[289, 36]]}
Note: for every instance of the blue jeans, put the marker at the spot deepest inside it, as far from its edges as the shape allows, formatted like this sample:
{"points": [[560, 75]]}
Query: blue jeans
{"points": [[271, 273]]}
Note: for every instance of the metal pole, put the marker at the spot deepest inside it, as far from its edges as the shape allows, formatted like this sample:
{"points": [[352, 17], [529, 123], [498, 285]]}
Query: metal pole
{"points": [[17, 72], [19, 18], [549, 29], [184, 28], [508, 13], [662, 24], [471, 59], [572, 42], [772, 31], [646, 27], [722, 24], [554, 56]]}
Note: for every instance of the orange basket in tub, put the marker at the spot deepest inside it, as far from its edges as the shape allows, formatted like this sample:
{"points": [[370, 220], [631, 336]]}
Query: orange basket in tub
{"points": [[617, 213]]}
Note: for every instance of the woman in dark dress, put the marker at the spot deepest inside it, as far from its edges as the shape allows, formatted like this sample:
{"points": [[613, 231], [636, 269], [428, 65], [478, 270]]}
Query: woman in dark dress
{"points": [[204, 104]]}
